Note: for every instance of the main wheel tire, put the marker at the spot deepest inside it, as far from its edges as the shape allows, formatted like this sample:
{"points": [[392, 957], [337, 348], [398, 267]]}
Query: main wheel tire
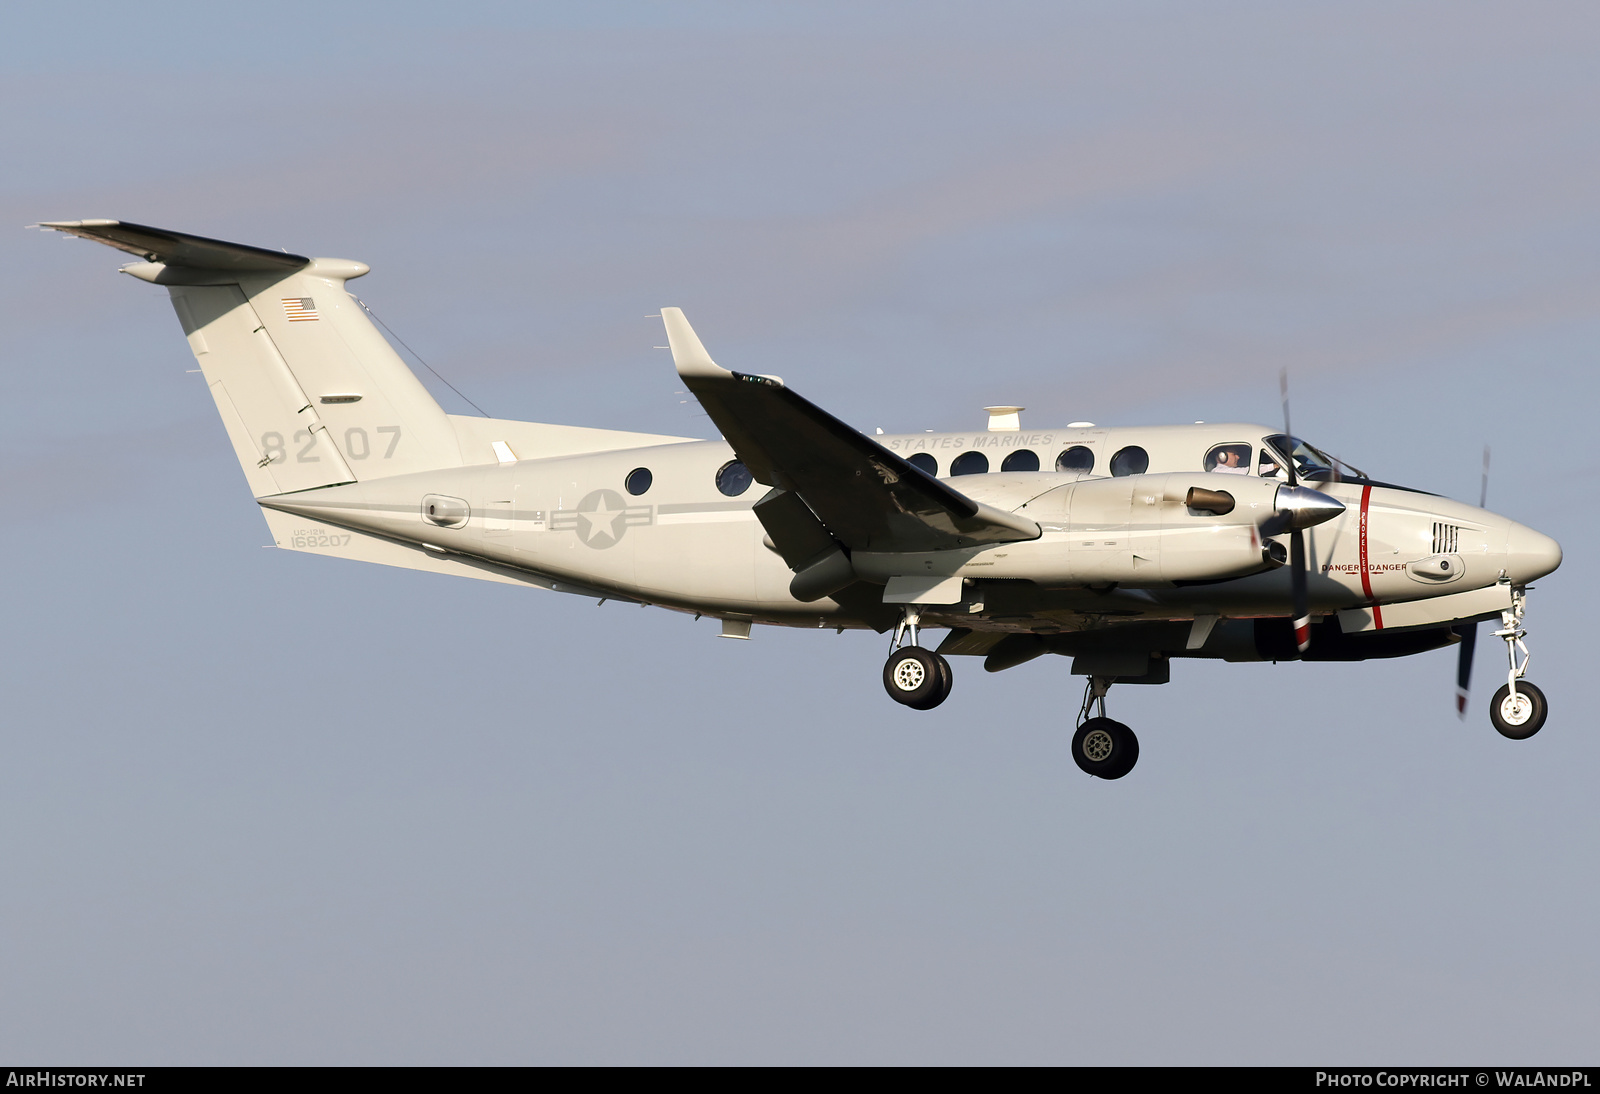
{"points": [[916, 677], [1105, 749], [1518, 718], [947, 680]]}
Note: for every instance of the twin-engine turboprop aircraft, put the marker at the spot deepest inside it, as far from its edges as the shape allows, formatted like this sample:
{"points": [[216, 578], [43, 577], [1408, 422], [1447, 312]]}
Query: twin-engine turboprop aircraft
{"points": [[1120, 548]]}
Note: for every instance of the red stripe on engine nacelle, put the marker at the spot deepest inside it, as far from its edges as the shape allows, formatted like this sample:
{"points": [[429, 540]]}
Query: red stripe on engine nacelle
{"points": [[1366, 572]]}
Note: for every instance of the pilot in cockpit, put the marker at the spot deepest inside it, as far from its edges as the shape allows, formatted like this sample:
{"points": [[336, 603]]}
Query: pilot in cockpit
{"points": [[1229, 459]]}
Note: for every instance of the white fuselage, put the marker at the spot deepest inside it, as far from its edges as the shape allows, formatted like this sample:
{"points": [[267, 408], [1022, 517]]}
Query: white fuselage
{"points": [[683, 543]]}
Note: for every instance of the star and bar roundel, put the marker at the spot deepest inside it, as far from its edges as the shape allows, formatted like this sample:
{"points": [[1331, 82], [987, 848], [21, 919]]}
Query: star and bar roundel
{"points": [[601, 518]]}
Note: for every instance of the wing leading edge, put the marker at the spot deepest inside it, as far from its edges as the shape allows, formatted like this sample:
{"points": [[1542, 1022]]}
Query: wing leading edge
{"points": [[867, 497]]}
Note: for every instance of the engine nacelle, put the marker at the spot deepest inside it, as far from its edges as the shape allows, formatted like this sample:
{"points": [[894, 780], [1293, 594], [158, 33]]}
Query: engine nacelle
{"points": [[1134, 530], [1149, 529]]}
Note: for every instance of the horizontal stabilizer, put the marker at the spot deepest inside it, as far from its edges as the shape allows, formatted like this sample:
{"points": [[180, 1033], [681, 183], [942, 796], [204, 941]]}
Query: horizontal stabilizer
{"points": [[297, 532], [310, 393], [178, 248]]}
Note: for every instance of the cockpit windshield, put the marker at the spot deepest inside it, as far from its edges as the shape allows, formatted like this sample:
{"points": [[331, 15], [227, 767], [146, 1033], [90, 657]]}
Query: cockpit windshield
{"points": [[1310, 463]]}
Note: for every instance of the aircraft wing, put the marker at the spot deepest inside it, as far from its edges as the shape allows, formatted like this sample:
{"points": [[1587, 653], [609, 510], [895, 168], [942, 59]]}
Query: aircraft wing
{"points": [[867, 497]]}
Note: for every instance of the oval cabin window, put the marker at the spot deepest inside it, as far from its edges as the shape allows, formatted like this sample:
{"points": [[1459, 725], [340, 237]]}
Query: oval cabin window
{"points": [[1022, 459], [922, 461], [1132, 460], [969, 463], [733, 478], [1077, 460]]}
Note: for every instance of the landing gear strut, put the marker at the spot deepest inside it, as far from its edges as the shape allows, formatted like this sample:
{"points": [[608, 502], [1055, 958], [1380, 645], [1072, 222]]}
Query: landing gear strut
{"points": [[918, 678], [1102, 747], [1518, 709]]}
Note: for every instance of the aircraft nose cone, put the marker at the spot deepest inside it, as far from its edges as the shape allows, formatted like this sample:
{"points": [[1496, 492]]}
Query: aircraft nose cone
{"points": [[1530, 555]]}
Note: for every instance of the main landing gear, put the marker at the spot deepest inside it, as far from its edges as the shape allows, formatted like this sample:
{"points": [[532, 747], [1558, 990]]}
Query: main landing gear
{"points": [[918, 678], [1518, 709], [1102, 747]]}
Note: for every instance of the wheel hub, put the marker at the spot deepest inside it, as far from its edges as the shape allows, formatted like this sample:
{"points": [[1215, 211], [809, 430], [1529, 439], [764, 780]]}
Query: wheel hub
{"points": [[1516, 709], [1097, 745], [909, 674]]}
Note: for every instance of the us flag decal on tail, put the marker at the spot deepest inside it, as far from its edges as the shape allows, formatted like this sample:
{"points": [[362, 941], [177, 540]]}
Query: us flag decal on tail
{"points": [[299, 309]]}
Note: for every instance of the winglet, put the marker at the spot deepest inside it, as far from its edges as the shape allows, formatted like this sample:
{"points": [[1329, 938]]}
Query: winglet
{"points": [[688, 354]]}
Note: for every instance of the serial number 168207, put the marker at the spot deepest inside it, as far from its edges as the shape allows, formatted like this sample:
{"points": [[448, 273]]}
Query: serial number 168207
{"points": [[311, 537]]}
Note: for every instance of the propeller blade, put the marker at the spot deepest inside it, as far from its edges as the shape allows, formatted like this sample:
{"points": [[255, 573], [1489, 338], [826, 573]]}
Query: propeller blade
{"points": [[1297, 585], [1483, 490], [1301, 508], [1283, 390], [1283, 393], [1469, 642], [1469, 631]]}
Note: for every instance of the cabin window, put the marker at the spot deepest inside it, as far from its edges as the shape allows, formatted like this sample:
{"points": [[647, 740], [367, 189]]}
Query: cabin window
{"points": [[1132, 460], [1023, 459], [969, 463], [924, 461], [1078, 459], [1229, 459], [639, 480], [1267, 467], [1310, 463], [733, 478]]}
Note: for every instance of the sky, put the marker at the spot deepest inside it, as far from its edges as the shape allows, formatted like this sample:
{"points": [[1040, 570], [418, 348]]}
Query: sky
{"points": [[259, 807]]}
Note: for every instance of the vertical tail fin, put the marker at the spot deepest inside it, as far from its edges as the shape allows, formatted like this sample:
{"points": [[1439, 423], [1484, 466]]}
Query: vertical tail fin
{"points": [[309, 391]]}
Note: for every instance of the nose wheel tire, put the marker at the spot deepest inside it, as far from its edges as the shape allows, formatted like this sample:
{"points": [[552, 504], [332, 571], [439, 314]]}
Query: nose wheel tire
{"points": [[917, 678], [1521, 717], [1105, 749]]}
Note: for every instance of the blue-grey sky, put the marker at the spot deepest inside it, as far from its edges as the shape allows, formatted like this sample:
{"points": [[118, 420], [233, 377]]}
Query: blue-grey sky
{"points": [[260, 807]]}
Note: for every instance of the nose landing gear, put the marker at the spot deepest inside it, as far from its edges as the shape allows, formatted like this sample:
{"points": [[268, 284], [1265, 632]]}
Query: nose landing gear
{"points": [[1102, 747], [913, 676], [1518, 709]]}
